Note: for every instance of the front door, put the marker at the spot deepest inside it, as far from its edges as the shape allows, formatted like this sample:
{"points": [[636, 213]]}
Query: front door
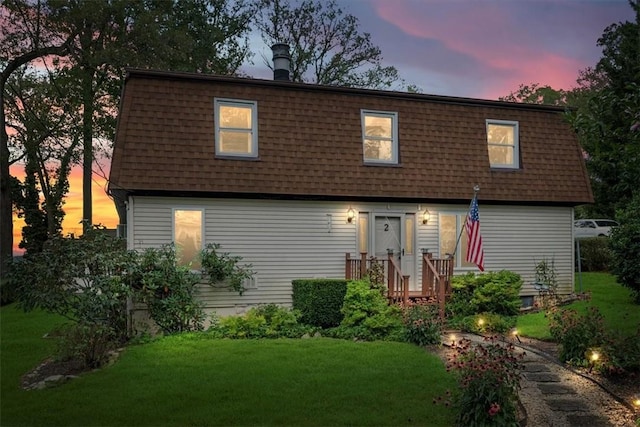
{"points": [[391, 233]]}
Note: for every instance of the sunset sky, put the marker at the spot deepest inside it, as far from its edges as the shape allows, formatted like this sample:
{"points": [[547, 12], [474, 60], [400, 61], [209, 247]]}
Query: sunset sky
{"points": [[469, 48]]}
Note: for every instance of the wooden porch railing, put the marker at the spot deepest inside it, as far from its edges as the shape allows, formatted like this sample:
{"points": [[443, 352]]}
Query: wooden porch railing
{"points": [[436, 277], [397, 283]]}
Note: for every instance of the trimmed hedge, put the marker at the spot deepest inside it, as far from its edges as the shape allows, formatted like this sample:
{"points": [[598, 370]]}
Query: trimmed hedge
{"points": [[319, 301]]}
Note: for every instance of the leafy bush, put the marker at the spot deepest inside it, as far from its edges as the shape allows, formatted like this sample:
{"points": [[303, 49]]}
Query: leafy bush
{"points": [[625, 245], [319, 301], [483, 323], [422, 323], [222, 268], [489, 379], [622, 354], [494, 292], [595, 254], [367, 315], [89, 344], [265, 321], [576, 333], [169, 291], [85, 280]]}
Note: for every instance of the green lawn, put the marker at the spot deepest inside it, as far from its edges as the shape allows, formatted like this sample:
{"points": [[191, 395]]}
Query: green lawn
{"points": [[196, 381], [612, 299]]}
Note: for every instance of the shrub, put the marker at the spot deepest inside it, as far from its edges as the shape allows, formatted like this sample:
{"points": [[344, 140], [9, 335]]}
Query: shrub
{"points": [[622, 354], [422, 323], [86, 280], [88, 344], [483, 323], [222, 268], [595, 254], [319, 301], [169, 291], [489, 379], [625, 245], [494, 292], [577, 334], [265, 321], [367, 315]]}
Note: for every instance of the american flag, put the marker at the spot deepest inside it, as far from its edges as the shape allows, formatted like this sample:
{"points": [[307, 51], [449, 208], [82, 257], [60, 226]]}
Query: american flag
{"points": [[475, 252]]}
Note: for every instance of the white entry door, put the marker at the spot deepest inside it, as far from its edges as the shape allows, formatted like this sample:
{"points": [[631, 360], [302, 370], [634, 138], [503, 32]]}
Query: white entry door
{"points": [[391, 232]]}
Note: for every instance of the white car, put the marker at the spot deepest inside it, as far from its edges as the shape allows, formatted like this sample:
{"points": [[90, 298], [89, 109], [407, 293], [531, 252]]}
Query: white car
{"points": [[593, 227]]}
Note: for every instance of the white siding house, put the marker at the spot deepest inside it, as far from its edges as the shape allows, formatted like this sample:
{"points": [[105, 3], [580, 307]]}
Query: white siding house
{"points": [[288, 240], [291, 177]]}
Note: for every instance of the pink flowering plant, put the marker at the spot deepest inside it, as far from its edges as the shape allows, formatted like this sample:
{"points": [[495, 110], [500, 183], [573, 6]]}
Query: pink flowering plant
{"points": [[489, 379], [422, 323]]}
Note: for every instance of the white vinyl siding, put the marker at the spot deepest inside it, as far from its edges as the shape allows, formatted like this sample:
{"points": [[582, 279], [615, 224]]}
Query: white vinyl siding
{"points": [[287, 240]]}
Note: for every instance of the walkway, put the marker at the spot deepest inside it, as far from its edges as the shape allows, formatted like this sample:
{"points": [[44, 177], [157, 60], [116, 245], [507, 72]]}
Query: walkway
{"points": [[554, 396]]}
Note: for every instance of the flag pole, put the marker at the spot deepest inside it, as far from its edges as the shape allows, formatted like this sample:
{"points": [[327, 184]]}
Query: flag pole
{"points": [[476, 190]]}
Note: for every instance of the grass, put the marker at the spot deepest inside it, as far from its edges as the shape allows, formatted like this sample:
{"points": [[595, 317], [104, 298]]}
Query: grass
{"points": [[191, 380], [612, 299]]}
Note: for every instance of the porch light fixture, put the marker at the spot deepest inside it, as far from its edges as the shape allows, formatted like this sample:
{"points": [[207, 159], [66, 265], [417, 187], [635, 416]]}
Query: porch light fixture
{"points": [[426, 216], [350, 215]]}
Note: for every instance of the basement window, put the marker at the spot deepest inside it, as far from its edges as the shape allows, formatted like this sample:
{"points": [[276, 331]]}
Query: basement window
{"points": [[380, 137], [236, 128], [503, 144]]}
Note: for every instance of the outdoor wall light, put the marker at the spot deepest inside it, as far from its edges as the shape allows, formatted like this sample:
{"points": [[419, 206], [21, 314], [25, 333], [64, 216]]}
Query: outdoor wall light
{"points": [[350, 215], [426, 216]]}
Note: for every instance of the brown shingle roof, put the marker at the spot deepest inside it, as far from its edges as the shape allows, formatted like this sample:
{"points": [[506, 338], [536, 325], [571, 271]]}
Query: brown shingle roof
{"points": [[310, 144]]}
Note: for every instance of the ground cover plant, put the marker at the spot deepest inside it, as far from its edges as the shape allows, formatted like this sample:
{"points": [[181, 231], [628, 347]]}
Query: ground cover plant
{"points": [[192, 379]]}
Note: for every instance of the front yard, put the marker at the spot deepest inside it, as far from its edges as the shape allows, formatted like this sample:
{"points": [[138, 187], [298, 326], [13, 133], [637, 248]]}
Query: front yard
{"points": [[191, 380]]}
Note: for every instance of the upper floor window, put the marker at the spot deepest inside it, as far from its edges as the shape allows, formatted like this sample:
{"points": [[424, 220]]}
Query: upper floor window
{"points": [[502, 141], [380, 136], [236, 128], [187, 236]]}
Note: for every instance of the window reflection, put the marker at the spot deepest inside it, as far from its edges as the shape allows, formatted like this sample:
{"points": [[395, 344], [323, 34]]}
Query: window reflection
{"points": [[187, 226]]}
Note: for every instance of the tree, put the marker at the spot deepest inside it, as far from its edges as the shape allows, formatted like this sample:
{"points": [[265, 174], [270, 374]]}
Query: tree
{"points": [[536, 94], [45, 140], [194, 35], [327, 46], [101, 39], [25, 38], [605, 121]]}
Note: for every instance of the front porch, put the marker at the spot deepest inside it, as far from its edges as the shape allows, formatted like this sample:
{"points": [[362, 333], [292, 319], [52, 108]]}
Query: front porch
{"points": [[434, 288]]}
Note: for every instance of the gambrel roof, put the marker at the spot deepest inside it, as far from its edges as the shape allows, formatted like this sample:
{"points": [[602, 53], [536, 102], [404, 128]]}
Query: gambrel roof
{"points": [[310, 145]]}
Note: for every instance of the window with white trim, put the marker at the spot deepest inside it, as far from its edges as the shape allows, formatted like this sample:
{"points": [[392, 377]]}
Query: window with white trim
{"points": [[502, 143], [187, 236], [236, 127], [379, 137], [450, 227]]}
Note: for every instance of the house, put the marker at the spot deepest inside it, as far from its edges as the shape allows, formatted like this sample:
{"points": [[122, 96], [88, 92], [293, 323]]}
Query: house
{"points": [[292, 177]]}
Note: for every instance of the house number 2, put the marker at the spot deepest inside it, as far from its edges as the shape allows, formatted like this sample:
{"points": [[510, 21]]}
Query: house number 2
{"points": [[386, 227]]}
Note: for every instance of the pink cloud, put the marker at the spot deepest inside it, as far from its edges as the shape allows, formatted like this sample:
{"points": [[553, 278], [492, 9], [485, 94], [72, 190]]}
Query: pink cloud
{"points": [[501, 45]]}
